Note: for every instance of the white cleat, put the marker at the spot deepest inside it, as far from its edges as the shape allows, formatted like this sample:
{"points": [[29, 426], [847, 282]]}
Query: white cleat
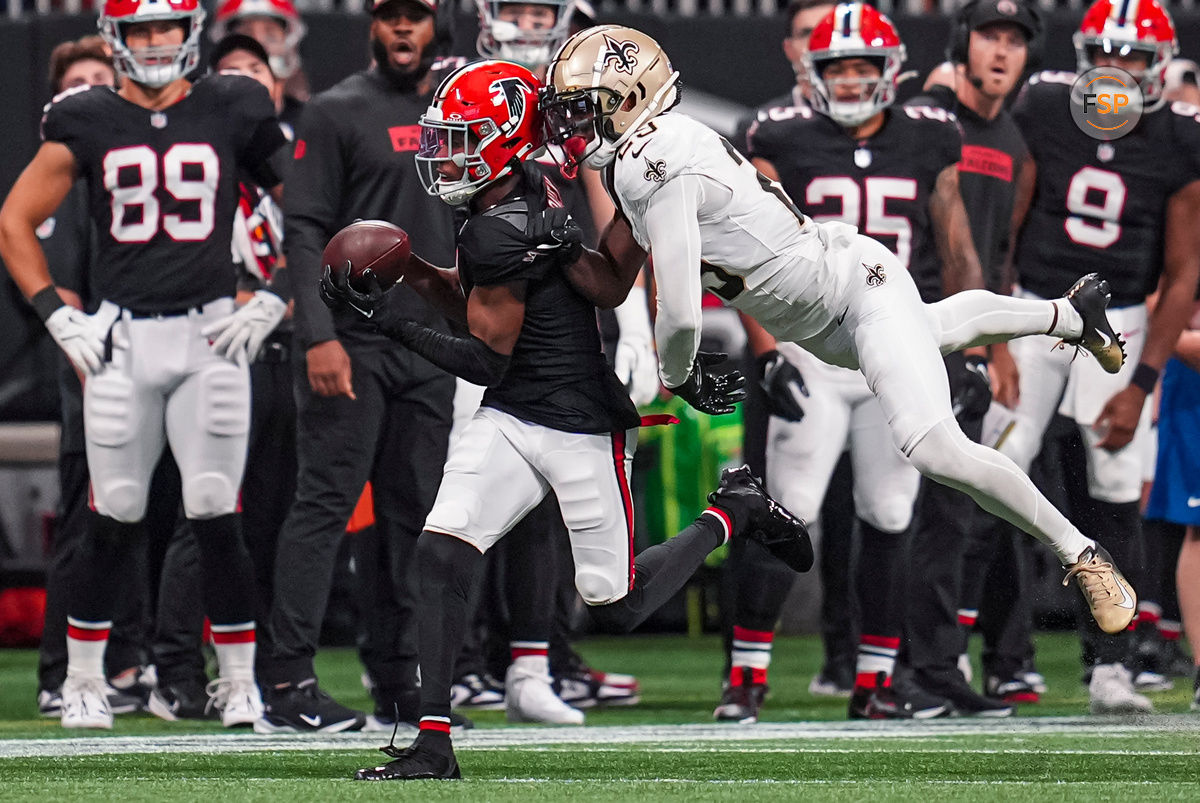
{"points": [[529, 697], [85, 703], [237, 699], [1111, 692]]}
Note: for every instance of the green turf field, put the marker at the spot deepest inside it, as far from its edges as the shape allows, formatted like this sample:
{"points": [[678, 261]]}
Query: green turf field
{"points": [[667, 748]]}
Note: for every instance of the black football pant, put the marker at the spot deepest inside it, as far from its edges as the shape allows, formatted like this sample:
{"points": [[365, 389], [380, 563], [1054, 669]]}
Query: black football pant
{"points": [[394, 434], [268, 486]]}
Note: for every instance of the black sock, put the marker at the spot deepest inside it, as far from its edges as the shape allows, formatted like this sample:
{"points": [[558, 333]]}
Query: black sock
{"points": [[448, 567], [1170, 537], [881, 567], [108, 551], [226, 569], [659, 572]]}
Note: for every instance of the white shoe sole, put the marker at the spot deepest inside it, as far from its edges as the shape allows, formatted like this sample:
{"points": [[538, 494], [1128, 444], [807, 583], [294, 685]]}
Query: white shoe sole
{"points": [[160, 709], [90, 724], [263, 726]]}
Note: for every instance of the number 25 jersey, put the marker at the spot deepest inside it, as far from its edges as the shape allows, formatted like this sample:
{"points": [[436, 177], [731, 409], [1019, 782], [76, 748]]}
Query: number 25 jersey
{"points": [[162, 185], [1099, 206]]}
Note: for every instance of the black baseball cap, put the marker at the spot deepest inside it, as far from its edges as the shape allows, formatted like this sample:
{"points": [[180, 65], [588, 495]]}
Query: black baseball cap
{"points": [[238, 41], [1018, 12], [428, 5]]}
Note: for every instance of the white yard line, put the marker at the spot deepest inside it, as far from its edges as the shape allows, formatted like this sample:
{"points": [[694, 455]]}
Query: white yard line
{"points": [[667, 737]]}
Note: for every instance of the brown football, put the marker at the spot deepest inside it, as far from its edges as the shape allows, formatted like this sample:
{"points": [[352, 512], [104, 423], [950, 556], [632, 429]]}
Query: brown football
{"points": [[377, 245]]}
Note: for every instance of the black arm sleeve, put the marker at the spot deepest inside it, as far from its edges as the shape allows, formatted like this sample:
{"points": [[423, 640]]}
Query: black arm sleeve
{"points": [[467, 357], [311, 199]]}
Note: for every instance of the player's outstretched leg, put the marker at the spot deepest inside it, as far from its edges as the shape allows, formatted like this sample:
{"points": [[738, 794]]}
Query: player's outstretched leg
{"points": [[448, 567], [740, 508], [977, 317]]}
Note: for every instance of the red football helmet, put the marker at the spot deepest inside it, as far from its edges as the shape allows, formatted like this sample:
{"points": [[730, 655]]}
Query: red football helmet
{"points": [[854, 30], [283, 53], [485, 120], [1124, 27], [152, 66]]}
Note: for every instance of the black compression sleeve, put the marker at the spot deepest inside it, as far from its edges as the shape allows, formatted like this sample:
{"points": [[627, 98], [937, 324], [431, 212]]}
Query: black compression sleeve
{"points": [[467, 357]]}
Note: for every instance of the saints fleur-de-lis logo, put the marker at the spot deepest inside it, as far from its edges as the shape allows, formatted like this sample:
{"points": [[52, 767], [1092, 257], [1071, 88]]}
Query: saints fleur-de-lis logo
{"points": [[875, 275], [620, 55], [656, 170]]}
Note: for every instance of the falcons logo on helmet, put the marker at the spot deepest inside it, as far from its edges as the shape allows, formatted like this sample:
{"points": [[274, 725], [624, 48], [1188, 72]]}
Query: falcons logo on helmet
{"points": [[510, 92], [620, 55]]}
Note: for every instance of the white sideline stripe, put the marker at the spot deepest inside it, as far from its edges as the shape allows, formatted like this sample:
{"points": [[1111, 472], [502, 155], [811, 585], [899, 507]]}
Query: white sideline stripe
{"points": [[699, 737]]}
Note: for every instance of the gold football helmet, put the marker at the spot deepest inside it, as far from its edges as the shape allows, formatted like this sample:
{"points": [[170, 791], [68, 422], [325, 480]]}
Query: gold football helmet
{"points": [[601, 85]]}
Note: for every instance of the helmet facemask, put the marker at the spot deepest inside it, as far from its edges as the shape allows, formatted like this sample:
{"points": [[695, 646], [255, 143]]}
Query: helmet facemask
{"points": [[578, 123], [873, 95], [1150, 79], [532, 48], [462, 144], [154, 67]]}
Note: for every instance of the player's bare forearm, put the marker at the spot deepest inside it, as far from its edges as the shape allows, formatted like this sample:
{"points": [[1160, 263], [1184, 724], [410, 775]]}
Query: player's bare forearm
{"points": [[1181, 273], [39, 190], [961, 269], [1188, 349], [604, 276], [438, 286], [1026, 179], [759, 339]]}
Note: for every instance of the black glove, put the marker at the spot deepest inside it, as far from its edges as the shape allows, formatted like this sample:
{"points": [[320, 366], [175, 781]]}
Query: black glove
{"points": [[784, 386], [711, 391], [970, 387], [338, 294], [554, 231]]}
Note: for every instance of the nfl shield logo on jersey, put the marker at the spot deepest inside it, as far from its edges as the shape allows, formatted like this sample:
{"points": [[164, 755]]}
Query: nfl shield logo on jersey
{"points": [[1105, 152], [862, 158], [158, 120]]}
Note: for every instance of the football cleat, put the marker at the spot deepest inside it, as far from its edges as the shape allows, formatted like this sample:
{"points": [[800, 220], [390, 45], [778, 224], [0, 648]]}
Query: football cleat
{"points": [[85, 703], [762, 519], [952, 687], [427, 758], [481, 692], [1011, 690], [134, 685], [580, 686], [306, 708], [836, 679], [900, 700], [1108, 594], [1149, 680], [1089, 296], [185, 699], [741, 703], [1110, 691], [529, 697], [237, 699]]}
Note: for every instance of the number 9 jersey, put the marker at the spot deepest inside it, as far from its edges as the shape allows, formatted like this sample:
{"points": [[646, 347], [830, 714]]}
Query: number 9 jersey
{"points": [[1099, 206], [162, 185]]}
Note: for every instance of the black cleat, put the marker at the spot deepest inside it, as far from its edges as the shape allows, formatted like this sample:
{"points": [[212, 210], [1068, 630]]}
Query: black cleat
{"points": [[762, 519], [1089, 296], [950, 685], [183, 699], [742, 702], [305, 708], [428, 758], [900, 700]]}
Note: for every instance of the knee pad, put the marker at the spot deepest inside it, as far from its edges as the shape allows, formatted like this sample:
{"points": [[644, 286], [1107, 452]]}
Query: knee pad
{"points": [[120, 498], [599, 589], [208, 495]]}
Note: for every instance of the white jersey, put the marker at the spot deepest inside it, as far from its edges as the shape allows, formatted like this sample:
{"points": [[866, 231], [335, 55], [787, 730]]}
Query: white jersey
{"points": [[710, 219]]}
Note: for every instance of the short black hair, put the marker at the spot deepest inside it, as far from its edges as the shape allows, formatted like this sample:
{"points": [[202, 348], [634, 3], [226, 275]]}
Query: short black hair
{"points": [[796, 6]]}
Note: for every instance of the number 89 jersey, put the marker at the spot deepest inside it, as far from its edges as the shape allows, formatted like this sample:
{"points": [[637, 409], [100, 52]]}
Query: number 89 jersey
{"points": [[1099, 206], [162, 185]]}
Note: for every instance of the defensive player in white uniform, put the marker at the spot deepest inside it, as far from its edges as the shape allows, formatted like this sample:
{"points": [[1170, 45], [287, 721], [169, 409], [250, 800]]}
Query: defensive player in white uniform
{"points": [[688, 197]]}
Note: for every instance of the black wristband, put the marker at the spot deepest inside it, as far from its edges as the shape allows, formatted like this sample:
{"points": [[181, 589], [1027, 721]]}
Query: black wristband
{"points": [[1144, 377], [46, 302]]}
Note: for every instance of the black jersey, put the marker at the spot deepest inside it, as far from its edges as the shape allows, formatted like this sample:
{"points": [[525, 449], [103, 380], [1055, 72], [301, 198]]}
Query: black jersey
{"points": [[772, 109], [557, 376], [882, 184], [993, 153], [353, 159], [162, 185], [1099, 206]]}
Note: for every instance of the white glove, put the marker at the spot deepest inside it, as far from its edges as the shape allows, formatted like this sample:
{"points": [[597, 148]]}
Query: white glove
{"points": [[244, 331], [635, 362], [75, 333]]}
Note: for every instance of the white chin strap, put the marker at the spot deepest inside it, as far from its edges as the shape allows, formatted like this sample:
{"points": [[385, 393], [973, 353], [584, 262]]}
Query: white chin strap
{"points": [[848, 113]]}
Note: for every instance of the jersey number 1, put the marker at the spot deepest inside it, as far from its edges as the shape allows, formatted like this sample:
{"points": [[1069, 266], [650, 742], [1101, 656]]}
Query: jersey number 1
{"points": [[136, 216]]}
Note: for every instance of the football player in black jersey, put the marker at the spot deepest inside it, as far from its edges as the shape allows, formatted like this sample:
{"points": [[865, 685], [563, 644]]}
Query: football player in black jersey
{"points": [[554, 416], [1128, 208], [952, 553], [893, 173], [166, 354]]}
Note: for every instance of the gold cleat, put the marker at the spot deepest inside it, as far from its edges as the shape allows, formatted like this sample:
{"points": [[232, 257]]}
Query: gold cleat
{"points": [[1109, 595], [1089, 296]]}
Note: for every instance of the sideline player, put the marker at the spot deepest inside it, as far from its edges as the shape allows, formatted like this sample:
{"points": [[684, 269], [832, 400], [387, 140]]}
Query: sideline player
{"points": [[1127, 208], [691, 199], [165, 356], [554, 416]]}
